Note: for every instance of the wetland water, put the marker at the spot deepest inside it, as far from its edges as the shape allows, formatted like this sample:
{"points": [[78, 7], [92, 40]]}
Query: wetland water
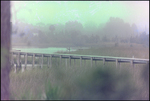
{"points": [[50, 50]]}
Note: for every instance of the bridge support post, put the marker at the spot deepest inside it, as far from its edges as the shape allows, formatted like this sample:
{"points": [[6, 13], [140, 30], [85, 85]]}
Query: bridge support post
{"points": [[91, 61], [66, 62], [119, 65], [74, 62], [12, 59], [26, 57], [51, 61], [84, 62], [95, 63], [116, 63], [15, 67], [18, 59], [33, 60], [69, 61], [18, 65], [80, 61], [132, 64], [42, 61], [103, 61], [48, 61], [24, 65], [39, 61], [60, 60]]}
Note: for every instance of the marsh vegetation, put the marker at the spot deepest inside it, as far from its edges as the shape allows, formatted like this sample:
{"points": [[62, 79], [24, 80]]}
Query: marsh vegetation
{"points": [[75, 82]]}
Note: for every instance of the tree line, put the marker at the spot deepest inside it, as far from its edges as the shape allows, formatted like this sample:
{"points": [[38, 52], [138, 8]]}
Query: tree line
{"points": [[73, 32]]}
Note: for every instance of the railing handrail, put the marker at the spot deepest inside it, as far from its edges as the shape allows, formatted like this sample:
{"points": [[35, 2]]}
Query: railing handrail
{"points": [[84, 56]]}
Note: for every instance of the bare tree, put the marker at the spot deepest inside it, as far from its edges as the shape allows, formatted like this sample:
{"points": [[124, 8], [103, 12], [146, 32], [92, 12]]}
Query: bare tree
{"points": [[5, 47]]}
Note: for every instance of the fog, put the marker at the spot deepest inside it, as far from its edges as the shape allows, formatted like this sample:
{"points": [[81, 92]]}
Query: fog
{"points": [[93, 30], [79, 23]]}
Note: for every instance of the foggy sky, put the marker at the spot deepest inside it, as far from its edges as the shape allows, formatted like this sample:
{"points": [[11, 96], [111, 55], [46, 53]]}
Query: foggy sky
{"points": [[52, 12]]}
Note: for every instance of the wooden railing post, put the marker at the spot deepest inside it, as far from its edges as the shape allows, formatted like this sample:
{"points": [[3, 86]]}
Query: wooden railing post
{"points": [[66, 62], [12, 60], [95, 62], [39, 61], [15, 62], [119, 65], [24, 65], [80, 61], [42, 61], [18, 59], [33, 60], [133, 71], [132, 64], [116, 63], [26, 57], [48, 61], [60, 60], [51, 61], [91, 61], [84, 62], [74, 62], [103, 61], [69, 61], [20, 62]]}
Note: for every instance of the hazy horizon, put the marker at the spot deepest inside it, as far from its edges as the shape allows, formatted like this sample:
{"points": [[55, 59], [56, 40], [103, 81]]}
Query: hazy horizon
{"points": [[98, 12]]}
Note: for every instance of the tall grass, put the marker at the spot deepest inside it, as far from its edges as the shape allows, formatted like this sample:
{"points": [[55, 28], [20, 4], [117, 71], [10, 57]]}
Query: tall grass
{"points": [[102, 82]]}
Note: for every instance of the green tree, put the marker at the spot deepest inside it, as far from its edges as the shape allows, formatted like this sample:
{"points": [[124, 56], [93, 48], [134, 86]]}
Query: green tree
{"points": [[116, 26]]}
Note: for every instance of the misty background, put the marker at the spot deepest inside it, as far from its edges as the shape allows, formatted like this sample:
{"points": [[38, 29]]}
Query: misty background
{"points": [[76, 23], [90, 27]]}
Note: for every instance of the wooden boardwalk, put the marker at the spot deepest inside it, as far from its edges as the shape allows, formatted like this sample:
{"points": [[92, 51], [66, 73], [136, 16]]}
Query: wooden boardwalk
{"points": [[92, 58]]}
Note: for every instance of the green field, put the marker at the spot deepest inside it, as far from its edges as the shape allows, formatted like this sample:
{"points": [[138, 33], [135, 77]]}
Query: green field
{"points": [[75, 82]]}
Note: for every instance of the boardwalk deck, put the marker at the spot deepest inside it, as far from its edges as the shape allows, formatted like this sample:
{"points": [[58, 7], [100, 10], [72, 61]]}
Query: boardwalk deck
{"points": [[118, 60]]}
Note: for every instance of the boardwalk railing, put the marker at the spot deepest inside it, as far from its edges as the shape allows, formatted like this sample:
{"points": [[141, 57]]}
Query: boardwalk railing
{"points": [[92, 58]]}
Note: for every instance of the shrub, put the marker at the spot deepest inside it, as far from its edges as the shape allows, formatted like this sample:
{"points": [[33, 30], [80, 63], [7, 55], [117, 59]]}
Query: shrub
{"points": [[107, 83]]}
